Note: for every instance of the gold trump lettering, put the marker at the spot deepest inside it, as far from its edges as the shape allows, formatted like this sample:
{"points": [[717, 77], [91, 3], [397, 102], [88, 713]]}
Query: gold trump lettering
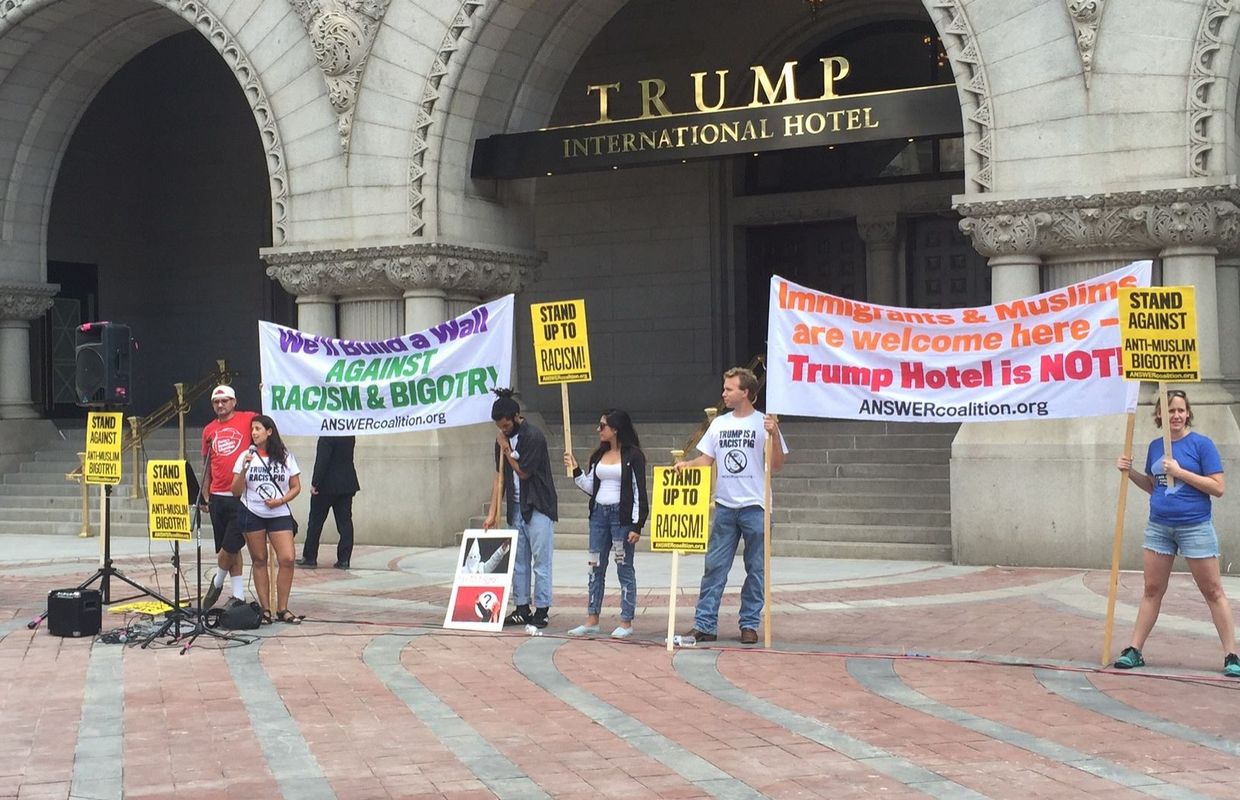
{"points": [[765, 91]]}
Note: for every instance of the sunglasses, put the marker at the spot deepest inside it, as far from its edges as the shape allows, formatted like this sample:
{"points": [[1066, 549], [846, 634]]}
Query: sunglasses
{"points": [[1176, 393], [603, 425]]}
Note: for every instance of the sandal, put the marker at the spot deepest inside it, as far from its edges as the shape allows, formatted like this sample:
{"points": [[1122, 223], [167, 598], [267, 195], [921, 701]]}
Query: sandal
{"points": [[286, 616], [265, 617]]}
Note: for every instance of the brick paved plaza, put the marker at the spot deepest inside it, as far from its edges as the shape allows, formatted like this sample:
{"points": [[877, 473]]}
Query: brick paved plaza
{"points": [[887, 679]]}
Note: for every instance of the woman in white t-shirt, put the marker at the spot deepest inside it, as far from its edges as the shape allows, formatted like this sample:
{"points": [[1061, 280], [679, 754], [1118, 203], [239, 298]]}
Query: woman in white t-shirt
{"points": [[615, 480], [266, 478]]}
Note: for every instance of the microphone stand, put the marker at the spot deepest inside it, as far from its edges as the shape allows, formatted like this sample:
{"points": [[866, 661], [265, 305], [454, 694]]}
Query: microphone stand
{"points": [[196, 615]]}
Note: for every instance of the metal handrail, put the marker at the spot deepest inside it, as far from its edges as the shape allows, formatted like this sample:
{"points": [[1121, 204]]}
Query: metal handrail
{"points": [[142, 427], [757, 365]]}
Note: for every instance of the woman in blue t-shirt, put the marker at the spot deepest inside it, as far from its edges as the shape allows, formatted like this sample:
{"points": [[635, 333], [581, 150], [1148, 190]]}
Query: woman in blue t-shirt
{"points": [[1180, 523]]}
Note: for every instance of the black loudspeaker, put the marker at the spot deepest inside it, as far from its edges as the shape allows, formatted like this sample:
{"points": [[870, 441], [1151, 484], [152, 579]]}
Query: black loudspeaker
{"points": [[74, 612], [101, 364]]}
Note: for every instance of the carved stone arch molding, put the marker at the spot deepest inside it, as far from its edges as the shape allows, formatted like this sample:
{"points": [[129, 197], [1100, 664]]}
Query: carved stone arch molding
{"points": [[342, 33], [453, 40], [970, 70], [199, 15], [1086, 18], [1205, 106]]}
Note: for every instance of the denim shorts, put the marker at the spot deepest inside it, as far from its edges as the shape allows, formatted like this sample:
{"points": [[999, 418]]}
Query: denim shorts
{"points": [[257, 524], [1195, 540]]}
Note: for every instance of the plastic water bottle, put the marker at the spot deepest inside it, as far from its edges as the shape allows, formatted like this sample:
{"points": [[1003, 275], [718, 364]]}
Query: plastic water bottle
{"points": [[530, 630], [683, 641]]}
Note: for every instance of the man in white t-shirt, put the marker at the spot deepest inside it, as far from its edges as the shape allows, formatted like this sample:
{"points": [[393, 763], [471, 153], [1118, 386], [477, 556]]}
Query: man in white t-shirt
{"points": [[736, 444]]}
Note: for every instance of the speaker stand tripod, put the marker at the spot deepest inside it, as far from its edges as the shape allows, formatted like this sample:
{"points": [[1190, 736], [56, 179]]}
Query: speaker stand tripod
{"points": [[107, 571]]}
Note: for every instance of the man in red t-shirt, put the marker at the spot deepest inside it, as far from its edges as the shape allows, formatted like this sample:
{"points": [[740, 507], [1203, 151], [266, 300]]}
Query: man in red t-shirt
{"points": [[224, 439]]}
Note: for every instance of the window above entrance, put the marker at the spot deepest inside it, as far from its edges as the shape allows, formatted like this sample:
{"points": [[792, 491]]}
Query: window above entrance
{"points": [[883, 56]]}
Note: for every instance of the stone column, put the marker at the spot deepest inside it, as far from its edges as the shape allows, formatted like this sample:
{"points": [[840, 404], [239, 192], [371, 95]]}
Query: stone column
{"points": [[1069, 268], [422, 485], [19, 304], [1014, 276], [460, 302], [316, 313], [425, 307], [1227, 286], [882, 271], [1190, 265], [371, 315], [1009, 240]]}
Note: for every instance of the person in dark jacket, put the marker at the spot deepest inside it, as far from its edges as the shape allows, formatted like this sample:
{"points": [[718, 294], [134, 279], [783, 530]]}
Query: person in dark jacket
{"points": [[524, 488], [615, 479], [331, 489]]}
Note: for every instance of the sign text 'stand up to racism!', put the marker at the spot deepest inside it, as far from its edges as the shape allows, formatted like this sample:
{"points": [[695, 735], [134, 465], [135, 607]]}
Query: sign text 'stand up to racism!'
{"points": [[680, 510], [1158, 328], [561, 342], [103, 447], [1053, 355]]}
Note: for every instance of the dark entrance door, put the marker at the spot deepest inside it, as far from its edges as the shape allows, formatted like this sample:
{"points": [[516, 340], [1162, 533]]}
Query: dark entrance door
{"points": [[75, 303], [943, 268], [827, 256]]}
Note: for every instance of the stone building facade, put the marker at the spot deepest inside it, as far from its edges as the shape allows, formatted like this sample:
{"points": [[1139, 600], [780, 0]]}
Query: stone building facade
{"points": [[192, 166]]}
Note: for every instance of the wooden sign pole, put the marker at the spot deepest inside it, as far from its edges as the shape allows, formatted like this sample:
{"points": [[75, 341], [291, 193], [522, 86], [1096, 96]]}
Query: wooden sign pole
{"points": [[568, 424], [1166, 428], [677, 455], [766, 544], [1117, 543]]}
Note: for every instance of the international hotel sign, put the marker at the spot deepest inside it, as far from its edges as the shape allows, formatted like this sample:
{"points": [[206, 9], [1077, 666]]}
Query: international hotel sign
{"points": [[774, 118]]}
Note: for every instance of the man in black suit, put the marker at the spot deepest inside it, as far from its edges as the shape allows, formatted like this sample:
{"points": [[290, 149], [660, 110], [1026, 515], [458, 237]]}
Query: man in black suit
{"points": [[332, 488]]}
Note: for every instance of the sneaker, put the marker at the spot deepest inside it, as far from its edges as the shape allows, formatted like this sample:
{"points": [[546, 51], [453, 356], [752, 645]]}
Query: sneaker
{"points": [[622, 632], [212, 595], [698, 636], [583, 630], [1231, 665], [520, 616], [233, 602], [1131, 657], [307, 563], [539, 619], [749, 636]]}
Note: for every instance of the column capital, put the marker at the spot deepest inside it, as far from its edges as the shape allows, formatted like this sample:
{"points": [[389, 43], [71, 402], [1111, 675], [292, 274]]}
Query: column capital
{"points": [[1145, 221], [400, 267], [24, 301], [878, 230]]}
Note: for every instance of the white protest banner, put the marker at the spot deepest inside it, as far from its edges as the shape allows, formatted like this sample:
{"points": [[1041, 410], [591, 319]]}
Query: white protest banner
{"points": [[1055, 355], [437, 378]]}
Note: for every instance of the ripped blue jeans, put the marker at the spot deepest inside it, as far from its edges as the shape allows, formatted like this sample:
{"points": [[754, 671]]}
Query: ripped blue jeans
{"points": [[605, 527]]}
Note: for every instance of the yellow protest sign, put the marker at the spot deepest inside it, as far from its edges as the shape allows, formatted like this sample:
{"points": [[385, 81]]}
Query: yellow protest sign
{"points": [[680, 510], [167, 500], [1158, 331], [103, 447], [561, 348]]}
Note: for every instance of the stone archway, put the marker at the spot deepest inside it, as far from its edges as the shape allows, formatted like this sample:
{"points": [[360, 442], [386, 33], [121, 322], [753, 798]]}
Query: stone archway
{"points": [[59, 54]]}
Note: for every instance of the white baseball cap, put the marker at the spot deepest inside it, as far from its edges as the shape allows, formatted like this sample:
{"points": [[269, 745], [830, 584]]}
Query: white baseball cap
{"points": [[223, 391]]}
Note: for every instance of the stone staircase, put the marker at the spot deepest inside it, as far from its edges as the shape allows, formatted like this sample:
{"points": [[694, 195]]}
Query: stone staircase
{"points": [[38, 499], [847, 490]]}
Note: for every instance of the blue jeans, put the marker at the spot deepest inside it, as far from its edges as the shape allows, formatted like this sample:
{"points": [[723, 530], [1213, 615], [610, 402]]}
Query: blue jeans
{"points": [[729, 526], [606, 527], [534, 542]]}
